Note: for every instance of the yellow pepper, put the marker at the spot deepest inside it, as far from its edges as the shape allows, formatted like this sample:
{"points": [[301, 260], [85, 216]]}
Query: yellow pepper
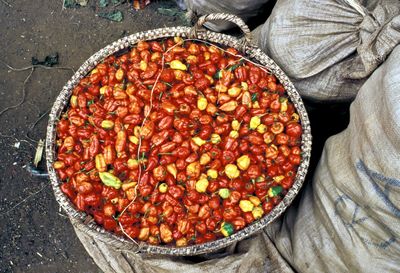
{"points": [[246, 205], [171, 168], [246, 99], [295, 117], [144, 233], [178, 40], [245, 86], [254, 122], [191, 59], [202, 103], [255, 200], [74, 101], [209, 78], [103, 89], [203, 176], [256, 105], [228, 106], [130, 194], [232, 171], [193, 169], [262, 128], [284, 105], [204, 159], [234, 134], [133, 164], [215, 139], [176, 64], [235, 125], [234, 91], [278, 178], [243, 162], [224, 193], [100, 163], [58, 165], [126, 186], [120, 74], [221, 88], [199, 141], [134, 139], [143, 65], [257, 212], [181, 242], [212, 173], [163, 187], [201, 185], [107, 124]]}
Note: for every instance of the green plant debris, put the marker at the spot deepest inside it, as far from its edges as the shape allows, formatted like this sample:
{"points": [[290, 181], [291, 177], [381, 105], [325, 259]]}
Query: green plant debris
{"points": [[103, 3], [49, 60], [74, 3], [116, 15], [173, 12]]}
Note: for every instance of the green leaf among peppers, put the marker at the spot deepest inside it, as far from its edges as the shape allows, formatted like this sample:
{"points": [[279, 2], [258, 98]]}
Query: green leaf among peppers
{"points": [[110, 180], [226, 229]]}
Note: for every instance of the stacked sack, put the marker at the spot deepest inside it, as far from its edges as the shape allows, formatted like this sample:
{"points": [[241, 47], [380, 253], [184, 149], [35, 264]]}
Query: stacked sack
{"points": [[349, 217], [328, 48]]}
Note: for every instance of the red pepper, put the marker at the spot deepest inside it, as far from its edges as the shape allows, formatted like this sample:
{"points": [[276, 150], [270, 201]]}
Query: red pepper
{"points": [[152, 163], [294, 130]]}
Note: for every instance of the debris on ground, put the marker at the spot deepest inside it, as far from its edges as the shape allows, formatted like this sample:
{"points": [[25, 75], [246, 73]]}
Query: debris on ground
{"points": [[115, 15], [49, 60], [39, 153], [74, 3], [173, 12], [103, 3]]}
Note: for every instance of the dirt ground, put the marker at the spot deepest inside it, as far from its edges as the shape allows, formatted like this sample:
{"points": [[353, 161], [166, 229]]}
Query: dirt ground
{"points": [[35, 235]]}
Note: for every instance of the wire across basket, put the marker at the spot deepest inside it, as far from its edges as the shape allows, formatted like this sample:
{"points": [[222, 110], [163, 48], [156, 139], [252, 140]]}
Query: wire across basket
{"points": [[86, 223]]}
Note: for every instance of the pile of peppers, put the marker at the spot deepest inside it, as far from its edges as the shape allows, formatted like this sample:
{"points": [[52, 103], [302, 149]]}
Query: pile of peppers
{"points": [[177, 143]]}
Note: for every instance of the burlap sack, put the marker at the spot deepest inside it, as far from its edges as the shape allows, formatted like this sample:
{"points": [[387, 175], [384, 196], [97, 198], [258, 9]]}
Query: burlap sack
{"points": [[254, 255], [349, 217], [244, 9], [330, 47]]}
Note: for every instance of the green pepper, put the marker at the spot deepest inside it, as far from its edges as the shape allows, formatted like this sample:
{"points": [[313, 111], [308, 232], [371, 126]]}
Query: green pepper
{"points": [[274, 191], [110, 180], [218, 75], [224, 193], [233, 67], [254, 97], [226, 229]]}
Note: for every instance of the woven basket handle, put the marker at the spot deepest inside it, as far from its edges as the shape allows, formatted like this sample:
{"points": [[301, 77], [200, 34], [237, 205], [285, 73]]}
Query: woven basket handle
{"points": [[198, 26]]}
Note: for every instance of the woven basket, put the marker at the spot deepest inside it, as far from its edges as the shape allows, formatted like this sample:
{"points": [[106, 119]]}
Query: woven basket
{"points": [[86, 223]]}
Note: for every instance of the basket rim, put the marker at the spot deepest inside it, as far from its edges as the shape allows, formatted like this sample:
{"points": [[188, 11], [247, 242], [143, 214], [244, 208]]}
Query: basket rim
{"points": [[122, 243]]}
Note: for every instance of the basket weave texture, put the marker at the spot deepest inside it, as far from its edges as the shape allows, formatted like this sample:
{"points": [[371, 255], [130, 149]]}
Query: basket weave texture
{"points": [[85, 222]]}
